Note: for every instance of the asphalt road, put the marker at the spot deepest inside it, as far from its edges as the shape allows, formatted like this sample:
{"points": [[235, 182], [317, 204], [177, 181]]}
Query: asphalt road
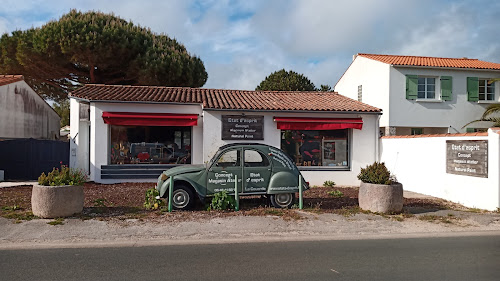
{"points": [[457, 258]]}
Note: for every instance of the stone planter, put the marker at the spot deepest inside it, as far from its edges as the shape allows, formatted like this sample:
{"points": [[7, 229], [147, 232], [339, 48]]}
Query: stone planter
{"points": [[56, 201], [381, 198]]}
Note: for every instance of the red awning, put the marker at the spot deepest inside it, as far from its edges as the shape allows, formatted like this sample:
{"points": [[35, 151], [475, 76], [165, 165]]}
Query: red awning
{"points": [[149, 119], [298, 123]]}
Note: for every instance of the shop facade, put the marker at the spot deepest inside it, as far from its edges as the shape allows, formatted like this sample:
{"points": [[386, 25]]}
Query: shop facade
{"points": [[130, 134]]}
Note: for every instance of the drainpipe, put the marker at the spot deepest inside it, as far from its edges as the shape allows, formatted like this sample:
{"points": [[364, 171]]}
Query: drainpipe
{"points": [[377, 139]]}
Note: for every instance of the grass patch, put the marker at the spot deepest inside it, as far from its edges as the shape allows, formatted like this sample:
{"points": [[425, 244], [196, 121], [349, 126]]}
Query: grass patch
{"points": [[349, 211], [57, 221], [449, 219], [475, 210]]}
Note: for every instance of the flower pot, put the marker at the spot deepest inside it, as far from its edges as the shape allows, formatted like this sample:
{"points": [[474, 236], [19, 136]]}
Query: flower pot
{"points": [[56, 201], [381, 198]]}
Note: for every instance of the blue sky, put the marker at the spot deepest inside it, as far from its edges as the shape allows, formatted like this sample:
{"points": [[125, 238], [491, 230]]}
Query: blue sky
{"points": [[241, 42]]}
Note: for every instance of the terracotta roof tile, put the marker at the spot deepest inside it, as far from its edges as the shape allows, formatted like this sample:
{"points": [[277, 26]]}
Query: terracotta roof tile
{"points": [[8, 79], [433, 61], [225, 99]]}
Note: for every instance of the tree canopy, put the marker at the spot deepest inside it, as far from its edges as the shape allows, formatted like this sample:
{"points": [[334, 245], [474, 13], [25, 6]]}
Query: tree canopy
{"points": [[95, 47], [283, 80]]}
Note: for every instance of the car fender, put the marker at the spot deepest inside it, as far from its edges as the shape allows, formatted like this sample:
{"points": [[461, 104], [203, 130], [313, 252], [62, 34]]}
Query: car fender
{"points": [[163, 187], [283, 182]]}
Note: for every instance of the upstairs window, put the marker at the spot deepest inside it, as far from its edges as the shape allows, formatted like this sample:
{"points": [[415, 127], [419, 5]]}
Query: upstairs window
{"points": [[486, 90], [480, 89], [429, 88], [426, 88]]}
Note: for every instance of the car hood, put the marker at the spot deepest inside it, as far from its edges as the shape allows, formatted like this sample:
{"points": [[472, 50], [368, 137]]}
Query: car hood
{"points": [[184, 169]]}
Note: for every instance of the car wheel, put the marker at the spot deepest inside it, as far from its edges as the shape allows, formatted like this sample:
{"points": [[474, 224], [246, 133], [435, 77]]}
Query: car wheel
{"points": [[282, 200], [182, 197]]}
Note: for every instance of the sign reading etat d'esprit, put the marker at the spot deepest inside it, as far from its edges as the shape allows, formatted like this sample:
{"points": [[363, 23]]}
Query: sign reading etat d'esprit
{"points": [[239, 127], [468, 158]]}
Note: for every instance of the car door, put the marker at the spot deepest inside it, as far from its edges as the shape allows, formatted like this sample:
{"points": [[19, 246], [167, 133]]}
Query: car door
{"points": [[256, 171], [221, 174]]}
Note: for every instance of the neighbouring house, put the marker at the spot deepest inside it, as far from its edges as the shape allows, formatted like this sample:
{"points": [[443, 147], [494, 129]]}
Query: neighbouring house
{"points": [[23, 113], [133, 133], [423, 95]]}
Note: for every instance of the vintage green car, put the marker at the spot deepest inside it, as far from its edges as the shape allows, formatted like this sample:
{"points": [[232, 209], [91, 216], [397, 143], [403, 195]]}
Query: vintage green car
{"points": [[260, 170]]}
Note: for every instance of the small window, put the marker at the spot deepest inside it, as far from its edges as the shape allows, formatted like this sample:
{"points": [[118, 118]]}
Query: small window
{"points": [[476, 130], [360, 93], [486, 90], [255, 159], [229, 158], [417, 131], [426, 88]]}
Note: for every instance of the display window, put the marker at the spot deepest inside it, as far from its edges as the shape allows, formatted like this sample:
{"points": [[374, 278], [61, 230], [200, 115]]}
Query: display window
{"points": [[150, 145], [328, 148]]}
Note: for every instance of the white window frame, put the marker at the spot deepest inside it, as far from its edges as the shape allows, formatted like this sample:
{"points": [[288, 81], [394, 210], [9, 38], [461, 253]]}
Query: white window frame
{"points": [[437, 94], [485, 93]]}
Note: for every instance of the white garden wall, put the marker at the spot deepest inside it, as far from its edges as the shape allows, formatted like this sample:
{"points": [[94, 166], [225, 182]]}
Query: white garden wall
{"points": [[419, 163]]}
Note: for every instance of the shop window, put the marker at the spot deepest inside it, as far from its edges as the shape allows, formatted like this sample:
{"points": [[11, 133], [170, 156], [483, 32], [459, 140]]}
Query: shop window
{"points": [[317, 148], [150, 145]]}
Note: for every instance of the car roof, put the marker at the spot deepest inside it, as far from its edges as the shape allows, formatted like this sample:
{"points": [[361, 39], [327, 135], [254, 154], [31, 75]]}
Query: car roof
{"points": [[245, 144]]}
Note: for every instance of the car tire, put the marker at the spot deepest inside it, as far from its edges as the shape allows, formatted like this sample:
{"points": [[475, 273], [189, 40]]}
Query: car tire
{"points": [[182, 197], [282, 200]]}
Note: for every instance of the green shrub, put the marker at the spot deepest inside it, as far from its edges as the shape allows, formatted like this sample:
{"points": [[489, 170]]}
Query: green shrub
{"points": [[151, 202], [64, 176], [376, 173], [336, 193], [329, 184], [222, 201]]}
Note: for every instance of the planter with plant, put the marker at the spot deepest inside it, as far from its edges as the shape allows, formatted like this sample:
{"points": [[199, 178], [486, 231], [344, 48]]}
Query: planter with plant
{"points": [[379, 190], [59, 193]]}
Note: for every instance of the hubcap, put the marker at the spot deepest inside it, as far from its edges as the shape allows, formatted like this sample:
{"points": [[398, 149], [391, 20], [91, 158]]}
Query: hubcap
{"points": [[180, 198], [283, 199]]}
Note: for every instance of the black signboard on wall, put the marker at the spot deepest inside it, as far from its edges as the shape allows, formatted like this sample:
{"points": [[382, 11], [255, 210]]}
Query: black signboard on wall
{"points": [[468, 158], [242, 127]]}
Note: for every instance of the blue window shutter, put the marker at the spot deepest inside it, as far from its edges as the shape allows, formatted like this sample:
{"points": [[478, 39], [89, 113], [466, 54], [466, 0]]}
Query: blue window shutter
{"points": [[472, 89], [446, 87], [411, 87]]}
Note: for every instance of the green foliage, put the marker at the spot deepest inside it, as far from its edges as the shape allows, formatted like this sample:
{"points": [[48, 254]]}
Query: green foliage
{"points": [[491, 114], [325, 88], [283, 80], [62, 108], [376, 173], [150, 201], [336, 193], [222, 201], [63, 176], [329, 183], [94, 47], [100, 202]]}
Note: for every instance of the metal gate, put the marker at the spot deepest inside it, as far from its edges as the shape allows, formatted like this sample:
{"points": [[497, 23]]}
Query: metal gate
{"points": [[26, 159]]}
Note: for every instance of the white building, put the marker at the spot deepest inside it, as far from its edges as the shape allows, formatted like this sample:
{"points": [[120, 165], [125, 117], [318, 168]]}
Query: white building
{"points": [[132, 133], [423, 95], [23, 113]]}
